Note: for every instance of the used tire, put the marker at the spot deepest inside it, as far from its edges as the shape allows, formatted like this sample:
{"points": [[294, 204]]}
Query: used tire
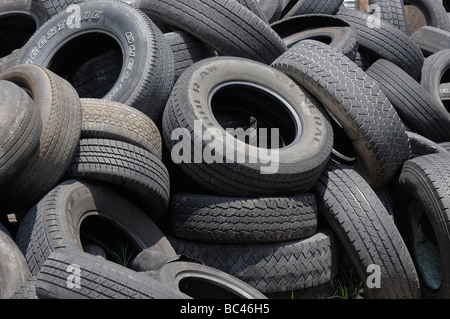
{"points": [[187, 50], [20, 129], [367, 232], [434, 12], [431, 40], [14, 271], [60, 110], [301, 7], [116, 121], [423, 215], [434, 73], [385, 42], [217, 219], [209, 97], [276, 267], [392, 11], [53, 7], [325, 28], [98, 279], [364, 118], [130, 167], [69, 40], [235, 30], [421, 145], [202, 282], [76, 213], [418, 109]]}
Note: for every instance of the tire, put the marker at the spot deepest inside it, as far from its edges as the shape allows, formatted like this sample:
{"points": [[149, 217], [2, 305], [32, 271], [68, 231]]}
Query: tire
{"points": [[301, 7], [270, 268], [19, 20], [20, 129], [76, 213], [203, 282], [253, 6], [187, 50], [422, 208], [236, 31], [98, 279], [60, 109], [325, 28], [241, 168], [431, 40], [392, 11], [214, 219], [116, 121], [417, 108], [147, 74], [133, 169], [272, 9], [364, 115], [385, 42], [13, 267], [422, 146], [434, 72], [367, 232], [53, 7], [434, 12], [444, 92]]}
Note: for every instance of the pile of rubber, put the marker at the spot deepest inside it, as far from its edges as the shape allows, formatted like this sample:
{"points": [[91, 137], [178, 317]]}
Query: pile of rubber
{"points": [[223, 148]]}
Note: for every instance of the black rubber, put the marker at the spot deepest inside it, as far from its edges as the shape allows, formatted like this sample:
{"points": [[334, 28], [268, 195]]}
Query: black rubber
{"points": [[97, 279], [130, 167], [53, 7], [20, 129], [434, 12], [202, 282], [120, 122], [275, 267], [392, 11], [187, 50], [418, 109], [147, 70], [367, 232], [215, 219], [423, 216], [60, 110], [76, 213], [300, 7], [431, 40], [325, 28], [14, 271], [435, 72], [385, 42], [365, 116], [213, 93], [227, 26]]}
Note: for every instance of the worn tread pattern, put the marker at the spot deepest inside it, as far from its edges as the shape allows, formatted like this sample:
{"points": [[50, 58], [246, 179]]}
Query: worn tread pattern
{"points": [[242, 220], [419, 110], [300, 7], [227, 26], [99, 279], [367, 232], [385, 42], [126, 165], [278, 267], [58, 141], [53, 7], [431, 39], [187, 50], [393, 11], [20, 129], [120, 122], [368, 118]]}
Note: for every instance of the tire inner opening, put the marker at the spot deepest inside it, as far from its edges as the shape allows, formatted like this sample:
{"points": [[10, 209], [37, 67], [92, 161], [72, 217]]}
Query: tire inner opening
{"points": [[424, 245], [101, 237], [446, 79], [260, 112], [15, 31], [91, 62], [202, 288], [343, 151]]}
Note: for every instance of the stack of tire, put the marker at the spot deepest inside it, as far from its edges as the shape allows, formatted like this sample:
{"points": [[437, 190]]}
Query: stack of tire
{"points": [[255, 145]]}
